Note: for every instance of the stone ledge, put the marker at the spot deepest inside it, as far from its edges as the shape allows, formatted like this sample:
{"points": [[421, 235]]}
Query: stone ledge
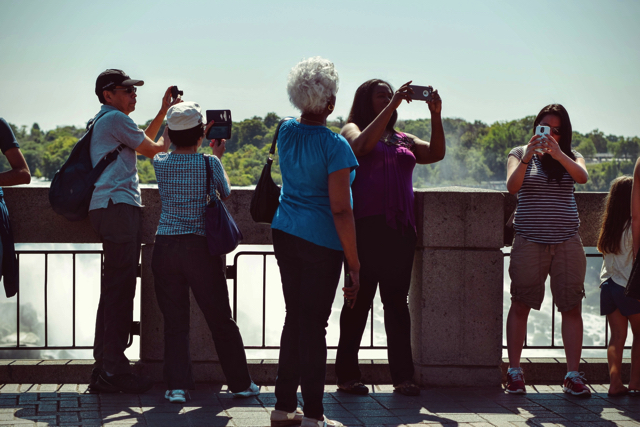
{"points": [[78, 371], [263, 371]]}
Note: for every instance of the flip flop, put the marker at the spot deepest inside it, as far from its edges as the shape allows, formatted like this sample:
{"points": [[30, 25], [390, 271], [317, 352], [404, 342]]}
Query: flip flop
{"points": [[633, 393], [623, 393]]}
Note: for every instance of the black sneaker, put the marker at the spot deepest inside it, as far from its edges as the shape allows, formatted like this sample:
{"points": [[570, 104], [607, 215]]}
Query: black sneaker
{"points": [[125, 383], [407, 388], [354, 387], [96, 385]]}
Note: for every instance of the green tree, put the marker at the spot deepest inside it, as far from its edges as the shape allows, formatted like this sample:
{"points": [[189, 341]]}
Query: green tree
{"points": [[599, 140], [270, 120], [56, 153], [586, 148]]}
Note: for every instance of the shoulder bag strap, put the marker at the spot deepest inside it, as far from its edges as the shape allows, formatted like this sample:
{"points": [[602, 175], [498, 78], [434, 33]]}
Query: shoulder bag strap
{"points": [[272, 151], [208, 167]]}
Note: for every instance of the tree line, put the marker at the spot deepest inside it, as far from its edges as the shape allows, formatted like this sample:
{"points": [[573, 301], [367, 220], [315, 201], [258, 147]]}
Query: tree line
{"points": [[476, 152]]}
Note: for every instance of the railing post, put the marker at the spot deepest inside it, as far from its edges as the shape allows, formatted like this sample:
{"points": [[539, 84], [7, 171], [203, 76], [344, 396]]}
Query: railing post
{"points": [[457, 287]]}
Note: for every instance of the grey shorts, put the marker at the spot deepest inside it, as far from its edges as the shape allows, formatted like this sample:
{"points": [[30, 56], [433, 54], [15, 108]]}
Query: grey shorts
{"points": [[531, 263]]}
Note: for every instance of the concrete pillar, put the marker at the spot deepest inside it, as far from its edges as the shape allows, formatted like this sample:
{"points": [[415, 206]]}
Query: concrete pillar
{"points": [[456, 293]]}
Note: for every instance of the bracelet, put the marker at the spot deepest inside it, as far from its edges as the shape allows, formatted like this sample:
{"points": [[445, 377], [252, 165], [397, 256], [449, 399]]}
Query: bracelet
{"points": [[525, 163]]}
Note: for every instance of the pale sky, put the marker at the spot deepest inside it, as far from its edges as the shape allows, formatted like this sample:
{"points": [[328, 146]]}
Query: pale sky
{"points": [[491, 60]]}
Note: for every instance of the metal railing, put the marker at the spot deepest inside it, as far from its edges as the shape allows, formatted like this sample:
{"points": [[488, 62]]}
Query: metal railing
{"points": [[135, 326], [553, 344], [232, 273]]}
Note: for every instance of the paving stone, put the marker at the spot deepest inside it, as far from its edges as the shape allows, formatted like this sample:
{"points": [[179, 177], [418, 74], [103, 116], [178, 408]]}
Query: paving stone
{"points": [[380, 420], [89, 415], [44, 409], [462, 418], [210, 420]]}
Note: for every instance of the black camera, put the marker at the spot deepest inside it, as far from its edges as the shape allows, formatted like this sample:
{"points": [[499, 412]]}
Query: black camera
{"points": [[175, 92]]}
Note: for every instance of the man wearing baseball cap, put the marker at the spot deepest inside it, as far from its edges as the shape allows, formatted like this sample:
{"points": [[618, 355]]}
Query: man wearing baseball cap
{"points": [[115, 213]]}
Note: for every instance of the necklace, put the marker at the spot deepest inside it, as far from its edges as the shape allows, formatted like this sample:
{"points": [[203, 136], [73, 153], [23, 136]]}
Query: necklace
{"points": [[312, 121], [393, 139]]}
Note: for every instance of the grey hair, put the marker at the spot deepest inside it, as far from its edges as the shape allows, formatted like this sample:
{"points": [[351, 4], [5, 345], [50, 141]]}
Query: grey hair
{"points": [[311, 84]]}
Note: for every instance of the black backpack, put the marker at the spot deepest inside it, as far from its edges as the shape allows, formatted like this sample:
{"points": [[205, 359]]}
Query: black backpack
{"points": [[72, 186]]}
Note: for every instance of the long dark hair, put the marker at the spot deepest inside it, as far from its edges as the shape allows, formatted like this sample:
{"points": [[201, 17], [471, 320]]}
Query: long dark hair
{"points": [[550, 166], [362, 113], [616, 215]]}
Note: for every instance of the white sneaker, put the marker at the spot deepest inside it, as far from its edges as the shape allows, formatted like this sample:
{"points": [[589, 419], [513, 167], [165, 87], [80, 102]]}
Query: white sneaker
{"points": [[253, 390], [176, 396], [283, 419], [324, 422]]}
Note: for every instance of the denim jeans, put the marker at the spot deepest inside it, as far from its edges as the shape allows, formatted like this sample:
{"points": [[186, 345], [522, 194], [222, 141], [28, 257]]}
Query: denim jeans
{"points": [[386, 258], [119, 226], [181, 262], [310, 275]]}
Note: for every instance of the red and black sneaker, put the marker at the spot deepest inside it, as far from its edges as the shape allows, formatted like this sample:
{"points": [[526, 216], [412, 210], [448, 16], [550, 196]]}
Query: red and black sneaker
{"points": [[574, 383], [515, 381]]}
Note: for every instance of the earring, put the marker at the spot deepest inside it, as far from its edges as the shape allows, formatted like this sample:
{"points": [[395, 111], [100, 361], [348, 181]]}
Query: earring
{"points": [[330, 107]]}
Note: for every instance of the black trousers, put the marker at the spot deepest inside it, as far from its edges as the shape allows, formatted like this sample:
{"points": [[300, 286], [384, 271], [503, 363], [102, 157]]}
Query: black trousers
{"points": [[181, 262], [310, 274], [119, 227], [386, 258]]}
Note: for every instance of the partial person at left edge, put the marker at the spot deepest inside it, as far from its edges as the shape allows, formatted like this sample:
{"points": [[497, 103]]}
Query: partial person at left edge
{"points": [[18, 174], [115, 213]]}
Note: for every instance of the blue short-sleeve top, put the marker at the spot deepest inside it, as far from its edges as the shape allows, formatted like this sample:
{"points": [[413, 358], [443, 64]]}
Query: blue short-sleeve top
{"points": [[308, 154]]}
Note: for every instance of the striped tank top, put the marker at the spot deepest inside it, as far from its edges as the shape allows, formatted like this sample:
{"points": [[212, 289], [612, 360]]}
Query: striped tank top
{"points": [[547, 211]]}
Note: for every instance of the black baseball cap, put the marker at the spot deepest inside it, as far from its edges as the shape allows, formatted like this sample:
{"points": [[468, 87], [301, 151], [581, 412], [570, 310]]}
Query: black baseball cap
{"points": [[111, 78]]}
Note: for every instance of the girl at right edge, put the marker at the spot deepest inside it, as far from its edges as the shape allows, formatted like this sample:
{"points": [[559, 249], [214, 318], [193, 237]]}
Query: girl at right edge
{"points": [[616, 245]]}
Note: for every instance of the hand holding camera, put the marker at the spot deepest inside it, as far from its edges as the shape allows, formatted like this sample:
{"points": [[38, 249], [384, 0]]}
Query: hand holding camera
{"points": [[218, 146], [429, 95]]}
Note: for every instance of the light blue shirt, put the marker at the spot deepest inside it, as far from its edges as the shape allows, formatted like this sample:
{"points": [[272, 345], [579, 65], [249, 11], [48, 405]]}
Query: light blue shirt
{"points": [[119, 181], [182, 183], [308, 154]]}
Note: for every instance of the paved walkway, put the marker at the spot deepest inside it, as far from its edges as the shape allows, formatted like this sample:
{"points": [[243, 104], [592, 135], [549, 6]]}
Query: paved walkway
{"points": [[211, 405]]}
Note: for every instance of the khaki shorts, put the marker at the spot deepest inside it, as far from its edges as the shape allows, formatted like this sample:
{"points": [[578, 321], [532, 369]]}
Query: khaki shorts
{"points": [[531, 263]]}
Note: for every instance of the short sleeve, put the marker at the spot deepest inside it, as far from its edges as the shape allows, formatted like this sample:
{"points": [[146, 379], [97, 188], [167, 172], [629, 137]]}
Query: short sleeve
{"points": [[7, 138], [125, 131], [218, 176], [340, 155], [517, 152]]}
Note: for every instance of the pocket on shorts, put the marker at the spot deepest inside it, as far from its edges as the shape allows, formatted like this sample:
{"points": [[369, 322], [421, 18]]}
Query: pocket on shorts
{"points": [[525, 271]]}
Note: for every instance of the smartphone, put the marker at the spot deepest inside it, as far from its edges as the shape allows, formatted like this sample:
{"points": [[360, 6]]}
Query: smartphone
{"points": [[221, 128], [421, 93], [544, 131], [348, 282], [175, 92]]}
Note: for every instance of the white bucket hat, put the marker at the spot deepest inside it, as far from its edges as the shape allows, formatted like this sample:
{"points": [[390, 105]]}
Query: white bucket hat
{"points": [[185, 115]]}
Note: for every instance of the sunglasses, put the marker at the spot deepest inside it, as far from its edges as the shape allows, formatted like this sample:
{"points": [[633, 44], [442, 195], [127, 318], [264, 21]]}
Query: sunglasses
{"points": [[128, 89]]}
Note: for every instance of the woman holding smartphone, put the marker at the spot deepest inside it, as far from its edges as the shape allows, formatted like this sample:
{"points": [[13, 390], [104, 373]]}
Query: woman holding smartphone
{"points": [[385, 225], [181, 258], [542, 174]]}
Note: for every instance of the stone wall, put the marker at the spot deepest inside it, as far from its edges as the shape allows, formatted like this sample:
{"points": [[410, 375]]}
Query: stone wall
{"points": [[455, 299]]}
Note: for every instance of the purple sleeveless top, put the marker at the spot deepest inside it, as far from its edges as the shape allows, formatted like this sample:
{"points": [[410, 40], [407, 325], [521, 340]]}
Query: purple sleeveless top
{"points": [[383, 184]]}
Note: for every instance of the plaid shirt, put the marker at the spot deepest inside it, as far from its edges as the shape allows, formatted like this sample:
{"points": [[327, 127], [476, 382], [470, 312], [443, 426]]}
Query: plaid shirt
{"points": [[182, 182]]}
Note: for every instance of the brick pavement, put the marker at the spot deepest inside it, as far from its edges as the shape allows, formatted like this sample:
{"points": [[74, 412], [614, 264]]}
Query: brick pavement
{"points": [[211, 405]]}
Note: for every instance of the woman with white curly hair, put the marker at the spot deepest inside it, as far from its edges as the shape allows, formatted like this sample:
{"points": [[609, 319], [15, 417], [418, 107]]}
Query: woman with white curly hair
{"points": [[313, 232]]}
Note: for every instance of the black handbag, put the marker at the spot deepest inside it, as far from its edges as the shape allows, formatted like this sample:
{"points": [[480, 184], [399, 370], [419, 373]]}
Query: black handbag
{"points": [[223, 234], [632, 289], [266, 196]]}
